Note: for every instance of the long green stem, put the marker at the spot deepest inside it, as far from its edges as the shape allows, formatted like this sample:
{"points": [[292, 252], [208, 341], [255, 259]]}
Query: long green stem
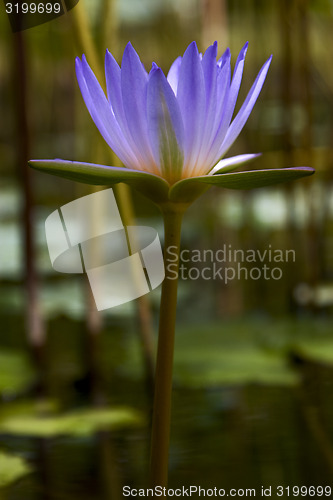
{"points": [[164, 364]]}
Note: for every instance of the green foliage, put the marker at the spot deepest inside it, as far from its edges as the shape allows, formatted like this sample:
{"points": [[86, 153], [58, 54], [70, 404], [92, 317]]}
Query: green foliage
{"points": [[79, 423], [152, 186], [16, 372], [233, 353], [156, 188], [11, 468], [238, 180]]}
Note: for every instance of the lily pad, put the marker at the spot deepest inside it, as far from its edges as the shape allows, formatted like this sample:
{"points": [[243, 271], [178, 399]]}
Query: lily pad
{"points": [[12, 468], [233, 366], [231, 354], [16, 372], [318, 351], [79, 423]]}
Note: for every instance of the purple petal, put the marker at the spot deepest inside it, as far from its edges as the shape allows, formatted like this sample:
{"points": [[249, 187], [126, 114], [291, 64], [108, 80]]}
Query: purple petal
{"points": [[192, 101], [113, 87], [165, 126], [220, 123], [101, 113], [173, 74], [236, 81], [243, 114], [134, 80], [210, 70], [223, 87], [228, 164], [224, 56]]}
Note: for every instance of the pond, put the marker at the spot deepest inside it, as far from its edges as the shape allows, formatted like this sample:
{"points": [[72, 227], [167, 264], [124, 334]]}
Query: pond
{"points": [[249, 411]]}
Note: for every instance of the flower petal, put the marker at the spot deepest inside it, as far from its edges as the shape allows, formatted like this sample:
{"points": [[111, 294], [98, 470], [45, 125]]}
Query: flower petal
{"points": [[173, 74], [152, 186], [209, 67], [165, 126], [229, 164], [134, 80], [243, 114], [113, 87], [101, 113], [226, 101], [192, 102], [235, 85], [220, 121]]}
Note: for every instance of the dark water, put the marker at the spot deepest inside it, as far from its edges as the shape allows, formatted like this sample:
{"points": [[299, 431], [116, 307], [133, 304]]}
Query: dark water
{"points": [[240, 437]]}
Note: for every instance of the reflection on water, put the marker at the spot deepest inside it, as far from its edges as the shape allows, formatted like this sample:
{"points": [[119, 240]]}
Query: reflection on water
{"points": [[229, 437]]}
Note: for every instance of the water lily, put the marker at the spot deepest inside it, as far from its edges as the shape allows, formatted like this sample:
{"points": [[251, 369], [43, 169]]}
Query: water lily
{"points": [[174, 126], [171, 132]]}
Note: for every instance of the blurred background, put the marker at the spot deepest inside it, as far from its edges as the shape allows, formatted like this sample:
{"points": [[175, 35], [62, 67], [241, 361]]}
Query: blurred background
{"points": [[253, 381]]}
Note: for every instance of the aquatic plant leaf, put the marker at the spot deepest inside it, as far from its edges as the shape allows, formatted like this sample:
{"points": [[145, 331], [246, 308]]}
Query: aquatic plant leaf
{"points": [[12, 468], [16, 372], [79, 423]]}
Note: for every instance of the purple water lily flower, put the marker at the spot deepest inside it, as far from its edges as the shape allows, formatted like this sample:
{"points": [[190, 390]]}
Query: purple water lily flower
{"points": [[174, 126], [171, 132]]}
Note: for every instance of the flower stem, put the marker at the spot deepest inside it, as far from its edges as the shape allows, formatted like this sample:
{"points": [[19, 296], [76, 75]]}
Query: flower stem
{"points": [[159, 458]]}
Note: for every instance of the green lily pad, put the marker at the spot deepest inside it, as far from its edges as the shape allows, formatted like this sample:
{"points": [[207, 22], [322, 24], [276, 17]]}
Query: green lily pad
{"points": [[16, 372], [12, 468], [79, 423], [226, 354], [318, 351], [233, 366]]}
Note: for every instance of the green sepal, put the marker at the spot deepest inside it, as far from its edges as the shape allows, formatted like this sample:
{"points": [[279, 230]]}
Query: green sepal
{"points": [[150, 185], [189, 189]]}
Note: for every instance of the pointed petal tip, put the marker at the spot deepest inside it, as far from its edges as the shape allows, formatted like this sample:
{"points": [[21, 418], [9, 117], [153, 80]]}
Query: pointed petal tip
{"points": [[226, 55], [129, 49], [192, 47], [84, 60], [243, 51], [214, 45], [269, 60]]}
